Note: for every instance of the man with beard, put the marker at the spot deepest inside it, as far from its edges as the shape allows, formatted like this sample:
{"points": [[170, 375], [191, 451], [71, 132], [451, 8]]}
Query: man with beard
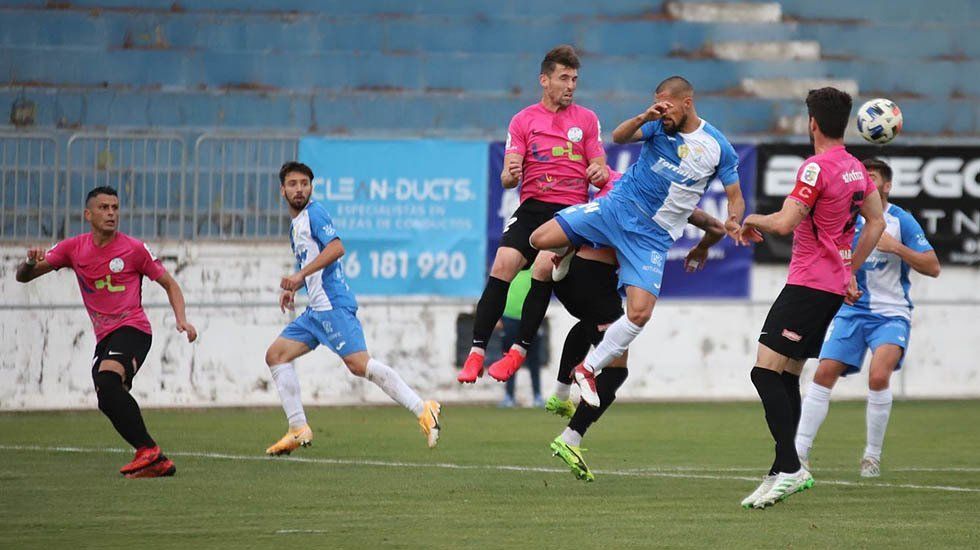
{"points": [[330, 318]]}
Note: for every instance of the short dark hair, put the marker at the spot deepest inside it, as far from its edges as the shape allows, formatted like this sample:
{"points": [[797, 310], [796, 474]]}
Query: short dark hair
{"points": [[831, 108], [101, 190], [560, 55], [675, 85], [294, 166], [878, 165]]}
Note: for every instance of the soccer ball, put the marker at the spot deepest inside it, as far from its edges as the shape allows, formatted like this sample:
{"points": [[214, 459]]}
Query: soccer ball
{"points": [[879, 120]]}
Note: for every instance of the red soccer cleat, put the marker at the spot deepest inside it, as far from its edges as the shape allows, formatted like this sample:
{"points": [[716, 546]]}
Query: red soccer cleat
{"points": [[586, 385], [506, 366], [472, 369], [144, 457], [164, 467]]}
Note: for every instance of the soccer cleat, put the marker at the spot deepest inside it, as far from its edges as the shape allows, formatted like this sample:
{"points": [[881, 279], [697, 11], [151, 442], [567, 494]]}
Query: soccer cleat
{"points": [[564, 408], [785, 485], [505, 367], [429, 422], [762, 489], [870, 467], [163, 467], [294, 439], [472, 369], [144, 457], [560, 269], [586, 385], [572, 456]]}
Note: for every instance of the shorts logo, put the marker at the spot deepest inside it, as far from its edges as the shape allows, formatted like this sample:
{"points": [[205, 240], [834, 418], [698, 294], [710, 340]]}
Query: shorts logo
{"points": [[574, 134], [656, 258], [810, 173], [116, 265], [792, 336]]}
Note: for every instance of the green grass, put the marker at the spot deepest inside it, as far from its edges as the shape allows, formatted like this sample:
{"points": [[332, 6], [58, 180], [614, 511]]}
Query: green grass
{"points": [[51, 498]]}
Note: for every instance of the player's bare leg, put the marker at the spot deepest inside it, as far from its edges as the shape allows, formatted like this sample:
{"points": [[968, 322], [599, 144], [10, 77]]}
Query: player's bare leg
{"points": [[815, 406], [884, 361], [532, 315], [279, 357]]}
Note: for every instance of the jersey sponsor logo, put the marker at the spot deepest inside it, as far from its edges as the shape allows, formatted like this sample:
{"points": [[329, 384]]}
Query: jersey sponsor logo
{"points": [[329, 230], [851, 176], [791, 336], [106, 284], [574, 134], [810, 173], [559, 151], [116, 265]]}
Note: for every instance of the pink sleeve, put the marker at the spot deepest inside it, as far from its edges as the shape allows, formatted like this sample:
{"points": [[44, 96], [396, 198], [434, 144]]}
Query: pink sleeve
{"points": [[870, 187], [147, 263], [61, 253], [593, 140], [516, 144], [808, 184]]}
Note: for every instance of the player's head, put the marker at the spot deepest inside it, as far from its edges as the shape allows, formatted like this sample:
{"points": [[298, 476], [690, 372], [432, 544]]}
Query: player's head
{"points": [[559, 75], [679, 92], [881, 174], [829, 110], [102, 209], [296, 184]]}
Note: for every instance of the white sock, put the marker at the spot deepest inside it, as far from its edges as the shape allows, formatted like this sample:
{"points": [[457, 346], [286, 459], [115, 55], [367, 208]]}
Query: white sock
{"points": [[287, 383], [879, 409], [571, 437], [562, 390], [388, 380], [814, 411], [615, 342]]}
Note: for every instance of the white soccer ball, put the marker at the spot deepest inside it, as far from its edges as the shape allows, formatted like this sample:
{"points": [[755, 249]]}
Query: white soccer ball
{"points": [[879, 120]]}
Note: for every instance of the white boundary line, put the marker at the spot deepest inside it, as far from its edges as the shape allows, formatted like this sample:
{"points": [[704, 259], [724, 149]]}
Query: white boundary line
{"points": [[672, 472]]}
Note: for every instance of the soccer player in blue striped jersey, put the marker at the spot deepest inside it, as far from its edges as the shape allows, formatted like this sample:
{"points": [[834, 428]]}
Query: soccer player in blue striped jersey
{"points": [[879, 320], [330, 318]]}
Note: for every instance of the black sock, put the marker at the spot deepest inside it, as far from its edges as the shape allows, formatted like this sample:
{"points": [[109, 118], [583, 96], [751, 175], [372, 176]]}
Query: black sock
{"points": [[779, 416], [489, 310], [792, 384], [532, 313], [606, 384], [121, 409], [576, 348]]}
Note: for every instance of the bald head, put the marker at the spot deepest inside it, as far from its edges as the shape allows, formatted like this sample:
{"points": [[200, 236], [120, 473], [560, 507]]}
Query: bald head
{"points": [[675, 86]]}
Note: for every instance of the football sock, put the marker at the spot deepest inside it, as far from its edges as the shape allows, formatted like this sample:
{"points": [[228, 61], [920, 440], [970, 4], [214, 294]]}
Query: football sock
{"points": [[879, 409], [792, 384], [606, 384], [533, 311], [779, 417], [576, 346], [388, 380], [489, 310], [571, 437], [617, 339], [287, 383], [814, 411], [121, 409]]}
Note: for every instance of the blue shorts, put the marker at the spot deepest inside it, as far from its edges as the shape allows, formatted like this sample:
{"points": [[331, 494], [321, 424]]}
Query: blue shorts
{"points": [[338, 329], [641, 245], [853, 332]]}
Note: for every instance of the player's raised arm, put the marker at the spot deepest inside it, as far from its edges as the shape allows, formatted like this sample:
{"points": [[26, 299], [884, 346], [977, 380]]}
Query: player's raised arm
{"points": [[714, 231], [630, 130], [330, 254], [874, 226], [176, 297], [34, 266], [913, 248]]}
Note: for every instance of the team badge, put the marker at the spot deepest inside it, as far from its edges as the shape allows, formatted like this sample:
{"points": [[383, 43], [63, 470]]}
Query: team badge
{"points": [[810, 173], [683, 151], [575, 134], [116, 265], [656, 258]]}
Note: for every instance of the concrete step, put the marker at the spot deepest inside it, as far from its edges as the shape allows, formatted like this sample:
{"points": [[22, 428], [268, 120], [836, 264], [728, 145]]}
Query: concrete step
{"points": [[737, 50], [787, 88], [724, 12]]}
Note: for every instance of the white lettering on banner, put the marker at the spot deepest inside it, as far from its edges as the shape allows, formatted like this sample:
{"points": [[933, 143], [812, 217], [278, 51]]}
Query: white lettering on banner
{"points": [[961, 219], [779, 179], [345, 188], [932, 218], [399, 264], [341, 189]]}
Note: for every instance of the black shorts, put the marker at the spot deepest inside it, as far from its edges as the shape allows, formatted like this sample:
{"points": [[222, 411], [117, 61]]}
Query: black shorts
{"points": [[590, 291], [798, 321], [530, 215], [127, 345]]}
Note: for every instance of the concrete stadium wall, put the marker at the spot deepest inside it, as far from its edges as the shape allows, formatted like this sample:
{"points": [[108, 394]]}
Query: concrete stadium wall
{"points": [[692, 350]]}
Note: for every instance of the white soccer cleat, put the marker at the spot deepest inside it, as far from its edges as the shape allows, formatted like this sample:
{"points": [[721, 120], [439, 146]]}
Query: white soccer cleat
{"points": [[762, 489], [870, 467], [560, 269], [784, 486]]}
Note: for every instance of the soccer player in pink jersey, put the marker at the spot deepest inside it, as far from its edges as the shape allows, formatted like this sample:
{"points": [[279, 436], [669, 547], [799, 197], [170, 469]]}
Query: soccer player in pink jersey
{"points": [[554, 152], [110, 267], [832, 187]]}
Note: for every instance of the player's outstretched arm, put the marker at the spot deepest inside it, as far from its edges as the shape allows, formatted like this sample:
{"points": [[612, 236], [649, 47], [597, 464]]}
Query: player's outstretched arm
{"points": [[34, 266], [874, 226], [736, 211], [330, 254], [629, 131], [782, 222], [176, 297]]}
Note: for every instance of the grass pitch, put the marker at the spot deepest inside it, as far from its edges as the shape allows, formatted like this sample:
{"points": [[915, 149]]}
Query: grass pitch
{"points": [[668, 475]]}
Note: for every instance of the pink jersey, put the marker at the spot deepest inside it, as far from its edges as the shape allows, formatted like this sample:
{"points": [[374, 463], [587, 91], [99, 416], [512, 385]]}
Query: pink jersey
{"points": [[110, 278], [610, 183], [556, 148], [833, 184]]}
